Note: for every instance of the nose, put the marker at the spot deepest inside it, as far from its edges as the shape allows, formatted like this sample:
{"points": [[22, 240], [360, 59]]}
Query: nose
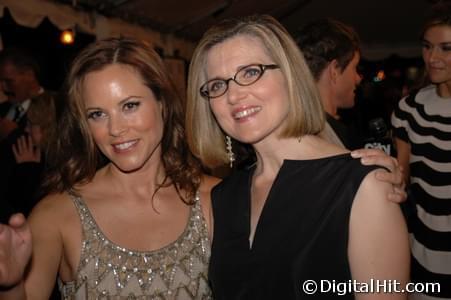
{"points": [[433, 54], [117, 125], [235, 92]]}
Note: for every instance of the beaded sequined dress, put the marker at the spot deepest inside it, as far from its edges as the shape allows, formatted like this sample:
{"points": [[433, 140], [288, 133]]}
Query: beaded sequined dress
{"points": [[108, 271]]}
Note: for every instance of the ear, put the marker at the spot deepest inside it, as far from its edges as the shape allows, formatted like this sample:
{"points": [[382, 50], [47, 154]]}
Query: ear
{"points": [[325, 80], [334, 70]]}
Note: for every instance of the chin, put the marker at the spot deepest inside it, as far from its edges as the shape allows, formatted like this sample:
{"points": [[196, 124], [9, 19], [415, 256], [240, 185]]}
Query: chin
{"points": [[439, 80], [254, 139], [129, 167]]}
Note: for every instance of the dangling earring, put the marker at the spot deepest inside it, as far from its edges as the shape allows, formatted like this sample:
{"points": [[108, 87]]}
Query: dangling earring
{"points": [[230, 153]]}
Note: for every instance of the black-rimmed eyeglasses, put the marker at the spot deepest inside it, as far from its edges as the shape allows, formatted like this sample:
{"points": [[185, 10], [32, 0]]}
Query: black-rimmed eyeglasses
{"points": [[246, 75]]}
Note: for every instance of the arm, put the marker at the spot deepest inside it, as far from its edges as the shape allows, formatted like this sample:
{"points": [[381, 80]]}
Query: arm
{"points": [[378, 239], [39, 278], [403, 149], [395, 176]]}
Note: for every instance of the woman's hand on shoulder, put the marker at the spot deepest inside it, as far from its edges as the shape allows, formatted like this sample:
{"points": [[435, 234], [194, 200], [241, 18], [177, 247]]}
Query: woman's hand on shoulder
{"points": [[395, 175], [378, 239]]}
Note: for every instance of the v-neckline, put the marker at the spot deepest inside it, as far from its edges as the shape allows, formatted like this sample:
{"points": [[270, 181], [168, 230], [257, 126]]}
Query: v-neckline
{"points": [[268, 201], [251, 244]]}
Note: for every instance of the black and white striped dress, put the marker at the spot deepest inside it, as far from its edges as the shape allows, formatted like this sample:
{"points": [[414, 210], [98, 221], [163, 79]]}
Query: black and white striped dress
{"points": [[424, 121]]}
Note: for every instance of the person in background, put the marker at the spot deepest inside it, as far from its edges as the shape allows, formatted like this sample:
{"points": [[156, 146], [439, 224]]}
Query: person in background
{"points": [[3, 99], [422, 130], [22, 184], [128, 203], [19, 74], [306, 210], [332, 52]]}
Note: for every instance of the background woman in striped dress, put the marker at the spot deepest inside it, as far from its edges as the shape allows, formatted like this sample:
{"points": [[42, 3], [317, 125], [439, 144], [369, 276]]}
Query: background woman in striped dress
{"points": [[422, 128]]}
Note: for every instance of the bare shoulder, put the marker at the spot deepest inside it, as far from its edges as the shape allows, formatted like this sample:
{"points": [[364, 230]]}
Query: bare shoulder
{"points": [[52, 205], [371, 188], [378, 246], [372, 208], [54, 211], [54, 234]]}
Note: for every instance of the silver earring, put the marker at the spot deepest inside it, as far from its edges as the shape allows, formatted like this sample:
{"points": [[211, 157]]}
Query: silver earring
{"points": [[230, 153]]}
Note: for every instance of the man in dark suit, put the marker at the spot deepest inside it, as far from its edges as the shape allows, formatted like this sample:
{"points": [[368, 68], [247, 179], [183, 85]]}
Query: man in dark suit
{"points": [[19, 82]]}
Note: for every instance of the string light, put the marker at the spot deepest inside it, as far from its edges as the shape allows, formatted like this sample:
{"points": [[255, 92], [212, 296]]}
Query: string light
{"points": [[379, 76], [67, 37]]}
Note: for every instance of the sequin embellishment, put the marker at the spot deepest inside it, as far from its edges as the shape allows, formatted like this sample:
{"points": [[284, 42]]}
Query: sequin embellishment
{"points": [[108, 271]]}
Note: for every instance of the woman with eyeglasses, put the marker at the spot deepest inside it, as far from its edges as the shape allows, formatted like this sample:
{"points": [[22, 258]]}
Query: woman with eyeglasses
{"points": [[306, 210]]}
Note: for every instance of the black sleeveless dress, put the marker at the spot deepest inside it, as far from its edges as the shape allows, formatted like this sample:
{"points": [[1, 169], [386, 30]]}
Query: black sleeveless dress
{"points": [[302, 233]]}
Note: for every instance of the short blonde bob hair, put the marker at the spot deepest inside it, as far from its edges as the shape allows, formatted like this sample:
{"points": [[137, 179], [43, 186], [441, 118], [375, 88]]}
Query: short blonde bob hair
{"points": [[205, 138]]}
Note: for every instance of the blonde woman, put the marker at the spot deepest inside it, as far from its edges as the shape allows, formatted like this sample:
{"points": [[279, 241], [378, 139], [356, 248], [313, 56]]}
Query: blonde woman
{"points": [[306, 210]]}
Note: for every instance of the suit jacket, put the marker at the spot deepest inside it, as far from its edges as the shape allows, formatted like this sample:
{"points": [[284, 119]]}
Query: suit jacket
{"points": [[8, 163], [4, 108]]}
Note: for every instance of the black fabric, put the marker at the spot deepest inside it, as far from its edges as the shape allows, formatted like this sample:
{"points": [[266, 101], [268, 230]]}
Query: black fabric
{"points": [[4, 108], [420, 274], [21, 177], [422, 119], [350, 138], [401, 132], [302, 232], [22, 190], [6, 210]]}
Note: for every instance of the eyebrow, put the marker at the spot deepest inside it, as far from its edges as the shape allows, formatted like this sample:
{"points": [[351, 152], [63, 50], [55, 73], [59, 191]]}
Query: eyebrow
{"points": [[238, 68], [120, 102], [128, 98], [441, 44]]}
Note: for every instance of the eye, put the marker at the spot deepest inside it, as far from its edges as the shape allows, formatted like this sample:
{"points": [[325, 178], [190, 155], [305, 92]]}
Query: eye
{"points": [[131, 106], [446, 47], [250, 72], [95, 115], [216, 85], [426, 46]]}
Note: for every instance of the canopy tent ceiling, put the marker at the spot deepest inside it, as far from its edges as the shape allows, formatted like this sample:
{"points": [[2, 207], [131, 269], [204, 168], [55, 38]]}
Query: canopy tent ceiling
{"points": [[31, 13], [385, 26], [190, 18]]}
